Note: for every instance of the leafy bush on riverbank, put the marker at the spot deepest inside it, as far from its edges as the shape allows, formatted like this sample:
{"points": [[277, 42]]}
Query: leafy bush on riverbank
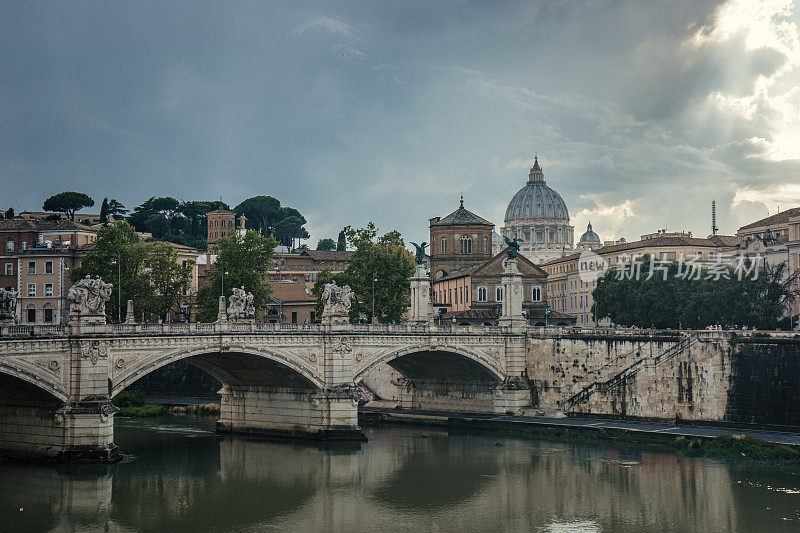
{"points": [[740, 447], [129, 399], [196, 409], [142, 411], [132, 404]]}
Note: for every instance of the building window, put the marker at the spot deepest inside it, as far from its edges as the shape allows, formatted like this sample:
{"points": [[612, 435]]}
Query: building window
{"points": [[313, 317], [31, 267], [10, 245], [294, 317], [668, 256], [536, 293], [498, 293], [485, 245], [31, 290], [31, 315], [48, 315], [48, 289], [24, 245], [48, 267], [466, 244], [9, 269], [444, 245]]}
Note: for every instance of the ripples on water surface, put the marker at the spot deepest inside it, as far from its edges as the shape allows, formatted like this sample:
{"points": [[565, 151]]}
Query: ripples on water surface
{"points": [[180, 476]]}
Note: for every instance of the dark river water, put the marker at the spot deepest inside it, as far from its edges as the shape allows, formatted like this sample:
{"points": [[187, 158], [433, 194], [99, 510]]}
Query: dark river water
{"points": [[179, 476]]}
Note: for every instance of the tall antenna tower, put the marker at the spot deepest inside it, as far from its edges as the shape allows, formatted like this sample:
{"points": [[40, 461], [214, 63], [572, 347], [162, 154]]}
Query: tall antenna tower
{"points": [[714, 228]]}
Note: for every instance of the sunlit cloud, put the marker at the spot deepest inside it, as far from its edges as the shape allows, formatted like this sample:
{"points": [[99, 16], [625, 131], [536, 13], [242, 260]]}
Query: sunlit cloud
{"points": [[778, 196], [609, 221], [775, 97]]}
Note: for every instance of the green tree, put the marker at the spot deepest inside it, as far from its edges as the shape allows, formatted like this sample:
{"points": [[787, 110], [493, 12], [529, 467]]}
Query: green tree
{"points": [[289, 229], [104, 211], [262, 212], [694, 302], [341, 244], [10, 213], [118, 253], [168, 207], [326, 244], [68, 202], [385, 259], [116, 209], [169, 278], [158, 225], [245, 261]]}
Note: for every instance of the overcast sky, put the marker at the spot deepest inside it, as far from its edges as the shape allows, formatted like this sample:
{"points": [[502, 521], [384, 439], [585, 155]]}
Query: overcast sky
{"points": [[641, 112]]}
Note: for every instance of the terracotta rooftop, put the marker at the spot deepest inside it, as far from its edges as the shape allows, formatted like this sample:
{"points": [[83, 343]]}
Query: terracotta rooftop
{"points": [[21, 224], [778, 218], [461, 217], [328, 255], [716, 241]]}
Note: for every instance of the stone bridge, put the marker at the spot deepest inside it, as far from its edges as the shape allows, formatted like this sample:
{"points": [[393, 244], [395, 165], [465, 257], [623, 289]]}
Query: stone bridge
{"points": [[56, 384]]}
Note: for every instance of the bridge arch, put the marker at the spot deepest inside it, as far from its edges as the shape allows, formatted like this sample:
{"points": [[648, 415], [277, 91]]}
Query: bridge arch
{"points": [[233, 365], [477, 362], [32, 375]]}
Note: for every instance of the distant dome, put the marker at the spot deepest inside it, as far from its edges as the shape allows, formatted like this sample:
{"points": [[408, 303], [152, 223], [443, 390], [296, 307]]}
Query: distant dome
{"points": [[536, 200], [590, 236]]}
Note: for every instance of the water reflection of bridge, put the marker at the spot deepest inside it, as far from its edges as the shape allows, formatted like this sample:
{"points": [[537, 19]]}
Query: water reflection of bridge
{"points": [[400, 480]]}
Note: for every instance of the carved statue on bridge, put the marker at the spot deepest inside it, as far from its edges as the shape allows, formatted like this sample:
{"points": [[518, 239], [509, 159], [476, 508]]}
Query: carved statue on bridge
{"points": [[336, 302], [419, 256], [8, 305], [513, 247], [240, 305], [88, 297]]}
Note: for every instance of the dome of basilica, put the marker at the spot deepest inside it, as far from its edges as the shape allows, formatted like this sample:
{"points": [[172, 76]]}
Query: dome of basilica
{"points": [[538, 216], [536, 200], [590, 236]]}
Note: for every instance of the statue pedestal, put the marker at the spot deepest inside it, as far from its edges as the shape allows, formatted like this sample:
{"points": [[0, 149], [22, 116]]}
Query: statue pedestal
{"points": [[421, 311], [87, 320], [129, 318], [511, 314], [222, 315], [335, 319]]}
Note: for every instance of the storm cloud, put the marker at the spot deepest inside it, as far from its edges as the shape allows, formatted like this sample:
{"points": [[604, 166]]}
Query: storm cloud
{"points": [[641, 112]]}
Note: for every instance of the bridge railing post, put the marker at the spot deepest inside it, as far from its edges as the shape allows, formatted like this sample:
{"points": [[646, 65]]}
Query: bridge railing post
{"points": [[421, 311]]}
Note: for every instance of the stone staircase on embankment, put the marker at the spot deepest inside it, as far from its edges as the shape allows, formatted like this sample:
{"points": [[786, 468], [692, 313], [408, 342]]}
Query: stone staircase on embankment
{"points": [[614, 380]]}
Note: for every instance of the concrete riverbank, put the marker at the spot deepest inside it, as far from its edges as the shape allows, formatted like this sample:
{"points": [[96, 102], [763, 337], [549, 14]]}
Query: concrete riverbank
{"points": [[642, 431]]}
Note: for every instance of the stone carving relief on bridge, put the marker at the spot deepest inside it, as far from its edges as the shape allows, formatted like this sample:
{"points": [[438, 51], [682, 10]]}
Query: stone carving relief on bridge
{"points": [[8, 305], [51, 366], [88, 299], [336, 301], [240, 305], [94, 351]]}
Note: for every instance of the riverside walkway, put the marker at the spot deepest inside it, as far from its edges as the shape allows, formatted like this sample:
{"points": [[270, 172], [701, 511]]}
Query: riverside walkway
{"points": [[650, 431]]}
